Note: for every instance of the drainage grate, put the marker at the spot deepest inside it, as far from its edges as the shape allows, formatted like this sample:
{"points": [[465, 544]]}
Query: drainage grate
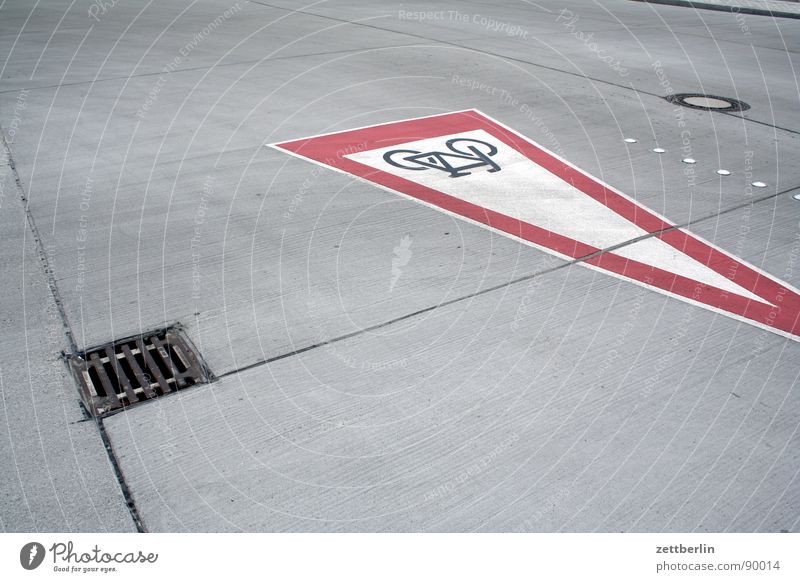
{"points": [[707, 102], [135, 369]]}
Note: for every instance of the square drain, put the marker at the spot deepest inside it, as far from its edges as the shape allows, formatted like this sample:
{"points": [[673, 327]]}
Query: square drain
{"points": [[131, 370]]}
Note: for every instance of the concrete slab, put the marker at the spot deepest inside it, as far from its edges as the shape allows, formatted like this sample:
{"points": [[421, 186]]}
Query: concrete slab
{"points": [[57, 475], [492, 387], [578, 403], [772, 8], [618, 43], [254, 201]]}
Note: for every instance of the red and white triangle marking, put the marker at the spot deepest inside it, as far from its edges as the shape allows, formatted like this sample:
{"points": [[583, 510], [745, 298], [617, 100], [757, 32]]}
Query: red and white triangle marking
{"points": [[469, 165]]}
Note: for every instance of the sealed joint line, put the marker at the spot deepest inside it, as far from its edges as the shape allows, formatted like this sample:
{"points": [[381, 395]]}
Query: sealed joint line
{"points": [[126, 492], [494, 288], [136, 369], [41, 251]]}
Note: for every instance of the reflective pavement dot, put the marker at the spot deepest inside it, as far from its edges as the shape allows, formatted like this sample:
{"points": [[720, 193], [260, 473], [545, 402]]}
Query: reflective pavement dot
{"points": [[630, 140], [759, 185], [723, 172], [659, 150], [689, 161]]}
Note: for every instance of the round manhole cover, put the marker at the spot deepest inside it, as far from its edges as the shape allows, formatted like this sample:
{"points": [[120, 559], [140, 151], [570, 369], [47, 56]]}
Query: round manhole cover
{"points": [[707, 102]]}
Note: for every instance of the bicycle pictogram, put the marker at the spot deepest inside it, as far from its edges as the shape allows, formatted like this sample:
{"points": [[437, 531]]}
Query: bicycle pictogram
{"points": [[469, 153]]}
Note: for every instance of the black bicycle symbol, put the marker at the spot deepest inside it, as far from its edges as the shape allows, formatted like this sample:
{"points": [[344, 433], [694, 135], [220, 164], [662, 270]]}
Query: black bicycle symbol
{"points": [[477, 153]]}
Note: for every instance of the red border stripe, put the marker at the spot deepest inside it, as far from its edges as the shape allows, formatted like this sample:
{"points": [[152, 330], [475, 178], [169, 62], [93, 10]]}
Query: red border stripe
{"points": [[783, 311]]}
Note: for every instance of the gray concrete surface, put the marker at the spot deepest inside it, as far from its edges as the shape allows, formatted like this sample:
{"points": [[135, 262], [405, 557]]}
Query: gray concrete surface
{"points": [[567, 401], [56, 474]]}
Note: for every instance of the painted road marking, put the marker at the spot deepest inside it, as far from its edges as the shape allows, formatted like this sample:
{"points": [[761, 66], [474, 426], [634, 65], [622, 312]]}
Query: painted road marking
{"points": [[470, 165]]}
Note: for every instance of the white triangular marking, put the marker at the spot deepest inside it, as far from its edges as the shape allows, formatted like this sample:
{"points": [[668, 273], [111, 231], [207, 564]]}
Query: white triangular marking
{"points": [[655, 252], [527, 192]]}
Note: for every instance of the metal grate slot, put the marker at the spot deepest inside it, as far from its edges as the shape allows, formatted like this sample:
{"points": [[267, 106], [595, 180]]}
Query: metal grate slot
{"points": [[135, 369]]}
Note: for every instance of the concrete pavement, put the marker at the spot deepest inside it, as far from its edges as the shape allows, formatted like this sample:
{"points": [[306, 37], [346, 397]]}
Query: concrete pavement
{"points": [[492, 387]]}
